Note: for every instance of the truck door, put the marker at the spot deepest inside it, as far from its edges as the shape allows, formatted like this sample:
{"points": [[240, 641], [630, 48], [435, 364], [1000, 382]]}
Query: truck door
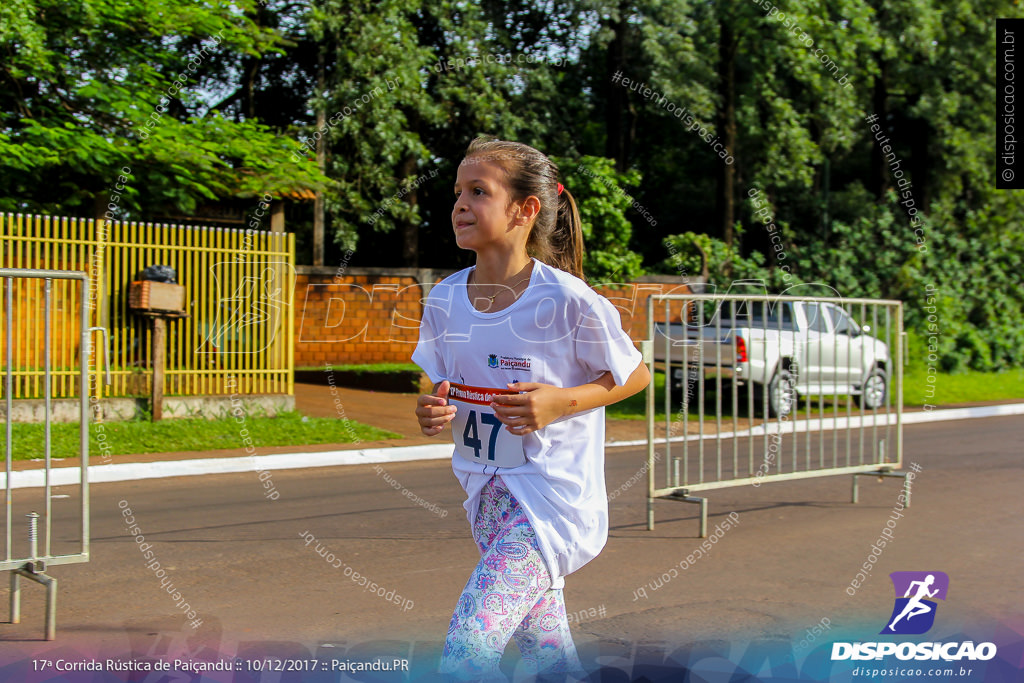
{"points": [[817, 343], [849, 358]]}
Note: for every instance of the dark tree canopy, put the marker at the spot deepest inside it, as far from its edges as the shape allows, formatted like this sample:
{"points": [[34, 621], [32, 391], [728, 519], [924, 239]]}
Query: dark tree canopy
{"points": [[681, 127]]}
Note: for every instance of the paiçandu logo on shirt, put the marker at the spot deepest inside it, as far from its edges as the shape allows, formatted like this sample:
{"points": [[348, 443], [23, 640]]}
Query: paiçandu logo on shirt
{"points": [[508, 362]]}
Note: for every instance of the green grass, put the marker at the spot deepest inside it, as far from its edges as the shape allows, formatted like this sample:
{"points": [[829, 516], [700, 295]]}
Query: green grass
{"points": [[125, 438], [969, 387], [635, 407], [372, 367]]}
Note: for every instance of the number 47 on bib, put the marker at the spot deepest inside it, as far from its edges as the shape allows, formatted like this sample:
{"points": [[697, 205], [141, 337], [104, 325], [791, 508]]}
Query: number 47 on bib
{"points": [[479, 435]]}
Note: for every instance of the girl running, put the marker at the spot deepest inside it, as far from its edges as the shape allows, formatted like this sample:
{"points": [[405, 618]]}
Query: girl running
{"points": [[524, 356]]}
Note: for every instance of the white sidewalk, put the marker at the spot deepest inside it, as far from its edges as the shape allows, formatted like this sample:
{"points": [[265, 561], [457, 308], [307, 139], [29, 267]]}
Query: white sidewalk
{"points": [[63, 476]]}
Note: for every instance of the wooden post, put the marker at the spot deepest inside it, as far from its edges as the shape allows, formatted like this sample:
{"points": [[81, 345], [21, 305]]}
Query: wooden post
{"points": [[277, 216], [159, 301], [159, 335]]}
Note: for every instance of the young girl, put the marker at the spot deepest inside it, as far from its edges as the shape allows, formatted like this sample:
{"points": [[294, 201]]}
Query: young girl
{"points": [[524, 356]]}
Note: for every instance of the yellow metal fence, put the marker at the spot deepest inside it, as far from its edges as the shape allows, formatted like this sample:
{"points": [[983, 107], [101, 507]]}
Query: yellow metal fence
{"points": [[239, 290]]}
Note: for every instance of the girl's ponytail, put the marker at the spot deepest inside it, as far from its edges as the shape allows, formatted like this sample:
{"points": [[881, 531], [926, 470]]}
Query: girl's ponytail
{"points": [[557, 234], [566, 240]]}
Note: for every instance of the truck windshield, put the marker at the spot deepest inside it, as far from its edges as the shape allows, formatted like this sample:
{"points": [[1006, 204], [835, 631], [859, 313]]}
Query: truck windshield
{"points": [[766, 314], [841, 323], [757, 314], [761, 314]]}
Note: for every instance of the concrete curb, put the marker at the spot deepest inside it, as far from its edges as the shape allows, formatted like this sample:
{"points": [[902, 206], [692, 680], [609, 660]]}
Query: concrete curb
{"points": [[826, 424], [64, 476]]}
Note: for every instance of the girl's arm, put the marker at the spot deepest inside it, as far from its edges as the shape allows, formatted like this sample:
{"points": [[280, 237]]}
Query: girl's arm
{"points": [[542, 404]]}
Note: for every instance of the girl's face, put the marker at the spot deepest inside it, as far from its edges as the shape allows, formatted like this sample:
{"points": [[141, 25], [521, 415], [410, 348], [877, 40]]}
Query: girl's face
{"points": [[484, 213]]}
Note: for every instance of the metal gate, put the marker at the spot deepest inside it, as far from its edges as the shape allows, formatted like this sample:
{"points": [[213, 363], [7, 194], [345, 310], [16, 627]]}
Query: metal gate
{"points": [[29, 301], [763, 388]]}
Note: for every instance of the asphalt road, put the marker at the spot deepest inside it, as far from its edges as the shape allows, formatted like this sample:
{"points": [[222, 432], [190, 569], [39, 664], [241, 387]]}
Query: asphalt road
{"points": [[241, 563]]}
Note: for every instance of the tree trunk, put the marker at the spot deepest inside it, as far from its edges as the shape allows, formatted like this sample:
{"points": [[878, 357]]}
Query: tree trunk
{"points": [[921, 164], [879, 177], [250, 70], [321, 163], [726, 208], [615, 127], [410, 230]]}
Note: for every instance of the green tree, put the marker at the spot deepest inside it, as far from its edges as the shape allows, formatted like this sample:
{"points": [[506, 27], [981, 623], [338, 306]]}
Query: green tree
{"points": [[604, 202], [91, 87]]}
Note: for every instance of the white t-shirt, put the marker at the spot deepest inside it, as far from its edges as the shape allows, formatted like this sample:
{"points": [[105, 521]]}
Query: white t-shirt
{"points": [[558, 332]]}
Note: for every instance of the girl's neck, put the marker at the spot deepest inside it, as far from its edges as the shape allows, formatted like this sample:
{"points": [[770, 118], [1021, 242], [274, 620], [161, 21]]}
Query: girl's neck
{"points": [[498, 269]]}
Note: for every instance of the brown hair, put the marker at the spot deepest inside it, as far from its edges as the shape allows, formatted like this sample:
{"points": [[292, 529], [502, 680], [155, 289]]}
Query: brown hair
{"points": [[557, 234]]}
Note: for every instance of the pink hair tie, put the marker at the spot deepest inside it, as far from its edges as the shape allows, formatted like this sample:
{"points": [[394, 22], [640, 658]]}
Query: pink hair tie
{"points": [[560, 188]]}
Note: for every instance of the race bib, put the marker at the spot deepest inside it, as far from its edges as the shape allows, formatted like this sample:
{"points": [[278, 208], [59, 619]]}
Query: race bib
{"points": [[478, 433]]}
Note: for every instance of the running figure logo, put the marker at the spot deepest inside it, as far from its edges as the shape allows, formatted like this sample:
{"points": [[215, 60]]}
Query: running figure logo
{"points": [[914, 613], [248, 320]]}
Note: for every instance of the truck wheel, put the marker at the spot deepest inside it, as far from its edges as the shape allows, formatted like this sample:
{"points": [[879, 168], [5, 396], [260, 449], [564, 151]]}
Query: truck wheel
{"points": [[873, 392], [687, 381], [782, 394]]}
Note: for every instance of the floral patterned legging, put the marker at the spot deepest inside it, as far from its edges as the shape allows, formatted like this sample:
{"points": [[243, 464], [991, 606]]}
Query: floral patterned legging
{"points": [[508, 596]]}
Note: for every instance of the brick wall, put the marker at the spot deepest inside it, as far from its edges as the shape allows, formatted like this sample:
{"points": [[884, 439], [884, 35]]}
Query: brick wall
{"points": [[372, 315], [631, 300], [355, 319]]}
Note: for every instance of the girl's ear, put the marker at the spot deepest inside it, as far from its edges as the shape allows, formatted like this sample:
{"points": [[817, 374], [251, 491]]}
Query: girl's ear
{"points": [[528, 211]]}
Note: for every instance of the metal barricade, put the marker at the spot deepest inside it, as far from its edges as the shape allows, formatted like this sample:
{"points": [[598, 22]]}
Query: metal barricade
{"points": [[758, 357], [71, 290]]}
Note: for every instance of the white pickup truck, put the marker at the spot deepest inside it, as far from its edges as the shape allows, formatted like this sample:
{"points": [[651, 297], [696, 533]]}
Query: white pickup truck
{"points": [[791, 347]]}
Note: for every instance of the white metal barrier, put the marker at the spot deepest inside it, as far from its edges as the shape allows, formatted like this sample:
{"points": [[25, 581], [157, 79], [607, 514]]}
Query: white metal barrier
{"points": [[784, 374], [35, 311]]}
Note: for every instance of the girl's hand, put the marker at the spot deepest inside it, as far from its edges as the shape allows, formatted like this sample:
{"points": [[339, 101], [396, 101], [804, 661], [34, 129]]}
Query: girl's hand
{"points": [[539, 406], [433, 411]]}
